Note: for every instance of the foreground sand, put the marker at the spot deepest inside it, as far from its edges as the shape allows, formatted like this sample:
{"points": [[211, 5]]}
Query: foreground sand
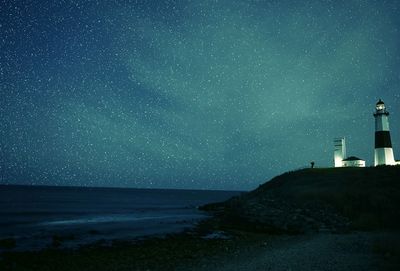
{"points": [[243, 251], [353, 251]]}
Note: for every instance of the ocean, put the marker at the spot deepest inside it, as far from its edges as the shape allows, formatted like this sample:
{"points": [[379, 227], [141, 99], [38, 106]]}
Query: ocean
{"points": [[37, 217]]}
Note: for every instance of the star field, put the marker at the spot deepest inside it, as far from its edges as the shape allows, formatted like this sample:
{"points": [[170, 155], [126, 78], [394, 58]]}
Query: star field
{"points": [[190, 94]]}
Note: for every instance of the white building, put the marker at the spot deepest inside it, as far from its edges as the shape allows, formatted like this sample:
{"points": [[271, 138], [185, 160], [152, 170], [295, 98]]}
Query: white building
{"points": [[340, 151], [340, 158], [353, 161]]}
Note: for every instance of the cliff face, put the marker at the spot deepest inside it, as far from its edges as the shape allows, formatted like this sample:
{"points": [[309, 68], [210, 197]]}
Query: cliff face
{"points": [[334, 199]]}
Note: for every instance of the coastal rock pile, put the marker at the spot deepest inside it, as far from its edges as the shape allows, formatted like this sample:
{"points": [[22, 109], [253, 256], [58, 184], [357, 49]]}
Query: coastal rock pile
{"points": [[330, 199], [273, 214]]}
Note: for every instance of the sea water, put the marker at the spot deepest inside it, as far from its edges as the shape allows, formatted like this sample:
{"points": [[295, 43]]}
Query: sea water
{"points": [[37, 217]]}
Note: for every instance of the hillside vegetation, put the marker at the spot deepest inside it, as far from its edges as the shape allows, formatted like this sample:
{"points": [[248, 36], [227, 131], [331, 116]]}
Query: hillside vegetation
{"points": [[334, 199]]}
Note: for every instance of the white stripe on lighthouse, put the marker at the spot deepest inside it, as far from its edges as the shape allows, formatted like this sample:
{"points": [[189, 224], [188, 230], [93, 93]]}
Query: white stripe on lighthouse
{"points": [[382, 123]]}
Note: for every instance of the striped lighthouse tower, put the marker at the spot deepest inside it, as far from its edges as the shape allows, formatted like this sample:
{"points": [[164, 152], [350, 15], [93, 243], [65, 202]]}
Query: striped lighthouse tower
{"points": [[383, 144]]}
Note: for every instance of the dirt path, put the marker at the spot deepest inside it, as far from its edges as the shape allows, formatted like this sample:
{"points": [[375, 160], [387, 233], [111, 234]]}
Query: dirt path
{"points": [[320, 252]]}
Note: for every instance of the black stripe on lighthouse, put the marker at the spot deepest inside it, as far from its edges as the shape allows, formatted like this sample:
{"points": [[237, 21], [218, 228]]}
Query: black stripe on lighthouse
{"points": [[382, 139]]}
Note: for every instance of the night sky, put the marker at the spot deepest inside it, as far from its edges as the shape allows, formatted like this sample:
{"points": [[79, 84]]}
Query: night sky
{"points": [[190, 94]]}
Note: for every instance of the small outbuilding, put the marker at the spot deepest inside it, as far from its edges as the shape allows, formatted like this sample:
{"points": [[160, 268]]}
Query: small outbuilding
{"points": [[353, 161]]}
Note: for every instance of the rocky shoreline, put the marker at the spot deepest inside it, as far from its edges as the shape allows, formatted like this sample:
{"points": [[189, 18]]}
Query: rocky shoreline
{"points": [[324, 219], [271, 214]]}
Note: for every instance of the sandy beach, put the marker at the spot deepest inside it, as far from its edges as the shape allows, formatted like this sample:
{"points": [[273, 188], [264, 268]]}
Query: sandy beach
{"points": [[241, 251], [323, 252]]}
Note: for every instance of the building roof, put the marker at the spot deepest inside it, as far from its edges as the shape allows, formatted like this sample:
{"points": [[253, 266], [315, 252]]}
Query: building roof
{"points": [[352, 158]]}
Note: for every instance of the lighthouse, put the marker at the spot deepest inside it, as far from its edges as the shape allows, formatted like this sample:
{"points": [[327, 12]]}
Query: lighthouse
{"points": [[383, 144]]}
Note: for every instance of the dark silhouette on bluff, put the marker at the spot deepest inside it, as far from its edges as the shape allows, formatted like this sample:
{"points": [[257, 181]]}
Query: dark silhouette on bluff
{"points": [[328, 199]]}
